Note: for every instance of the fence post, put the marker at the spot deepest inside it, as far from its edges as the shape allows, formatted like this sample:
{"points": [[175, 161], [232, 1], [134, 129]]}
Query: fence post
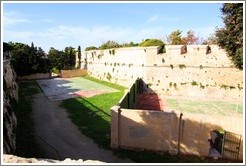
{"points": [[180, 120], [128, 100], [115, 126]]}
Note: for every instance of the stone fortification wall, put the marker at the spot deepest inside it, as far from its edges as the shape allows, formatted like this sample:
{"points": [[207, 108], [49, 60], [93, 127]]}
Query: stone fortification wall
{"points": [[194, 73], [10, 98]]}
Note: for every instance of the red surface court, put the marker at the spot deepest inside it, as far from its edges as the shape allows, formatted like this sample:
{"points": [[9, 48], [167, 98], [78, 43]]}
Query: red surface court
{"points": [[150, 101]]}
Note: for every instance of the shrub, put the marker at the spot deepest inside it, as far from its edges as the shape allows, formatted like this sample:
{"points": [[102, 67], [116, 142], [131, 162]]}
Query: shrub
{"points": [[181, 66], [202, 86], [194, 83], [175, 85], [171, 66], [55, 70], [91, 48], [239, 87], [154, 42], [183, 83], [109, 44], [170, 84], [109, 76]]}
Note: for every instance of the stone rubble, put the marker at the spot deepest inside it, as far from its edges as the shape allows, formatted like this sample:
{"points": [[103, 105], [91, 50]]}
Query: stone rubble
{"points": [[8, 158]]}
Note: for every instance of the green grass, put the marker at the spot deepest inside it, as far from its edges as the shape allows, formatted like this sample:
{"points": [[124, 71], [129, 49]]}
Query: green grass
{"points": [[115, 86], [25, 143], [205, 107]]}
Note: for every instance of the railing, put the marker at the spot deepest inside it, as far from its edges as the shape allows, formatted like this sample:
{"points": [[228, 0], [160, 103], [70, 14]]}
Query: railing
{"points": [[231, 145], [128, 101]]}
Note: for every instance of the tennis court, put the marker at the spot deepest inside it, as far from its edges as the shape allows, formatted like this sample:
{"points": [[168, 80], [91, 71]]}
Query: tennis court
{"points": [[212, 107], [64, 88]]}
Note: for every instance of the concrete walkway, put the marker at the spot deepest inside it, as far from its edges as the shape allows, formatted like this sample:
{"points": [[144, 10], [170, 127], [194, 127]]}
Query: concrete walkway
{"points": [[59, 138]]}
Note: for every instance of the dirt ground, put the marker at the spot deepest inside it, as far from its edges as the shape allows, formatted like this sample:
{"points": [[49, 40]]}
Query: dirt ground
{"points": [[59, 138]]}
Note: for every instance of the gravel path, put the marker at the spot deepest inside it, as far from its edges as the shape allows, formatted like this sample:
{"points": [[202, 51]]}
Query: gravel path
{"points": [[60, 138]]}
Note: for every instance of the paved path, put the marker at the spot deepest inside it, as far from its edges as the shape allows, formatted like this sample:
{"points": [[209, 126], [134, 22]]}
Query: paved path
{"points": [[60, 138]]}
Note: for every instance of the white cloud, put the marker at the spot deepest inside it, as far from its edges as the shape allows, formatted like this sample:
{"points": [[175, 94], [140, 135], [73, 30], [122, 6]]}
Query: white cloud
{"points": [[17, 35], [48, 20], [162, 18], [98, 35], [153, 18], [62, 36], [13, 18]]}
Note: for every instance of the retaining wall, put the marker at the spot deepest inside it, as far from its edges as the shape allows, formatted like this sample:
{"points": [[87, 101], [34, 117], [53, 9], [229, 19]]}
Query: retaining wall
{"points": [[73, 73], [36, 76], [159, 130]]}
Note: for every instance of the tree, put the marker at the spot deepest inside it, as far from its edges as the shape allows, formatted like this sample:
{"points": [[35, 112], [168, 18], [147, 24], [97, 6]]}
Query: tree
{"points": [[109, 44], [190, 38], [175, 38], [56, 59], [212, 39], [79, 57], [69, 58], [230, 37], [131, 44], [28, 60], [91, 48]]}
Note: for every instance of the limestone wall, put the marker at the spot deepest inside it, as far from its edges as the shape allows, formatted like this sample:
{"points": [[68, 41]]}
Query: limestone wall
{"points": [[192, 74]]}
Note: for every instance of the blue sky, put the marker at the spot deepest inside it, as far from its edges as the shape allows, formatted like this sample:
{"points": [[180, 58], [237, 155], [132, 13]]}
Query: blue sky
{"points": [[72, 24]]}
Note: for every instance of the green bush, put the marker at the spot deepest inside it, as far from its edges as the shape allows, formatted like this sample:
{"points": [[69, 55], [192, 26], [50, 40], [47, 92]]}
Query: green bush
{"points": [[91, 48], [175, 85], [154, 42], [181, 66], [170, 84], [109, 44], [194, 83], [109, 76], [55, 70]]}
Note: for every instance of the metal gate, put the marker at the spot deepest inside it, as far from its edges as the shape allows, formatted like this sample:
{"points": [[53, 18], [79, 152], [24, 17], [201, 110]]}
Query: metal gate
{"points": [[231, 145]]}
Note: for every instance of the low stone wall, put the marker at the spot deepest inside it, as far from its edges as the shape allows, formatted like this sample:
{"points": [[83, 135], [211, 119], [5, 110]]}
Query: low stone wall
{"points": [[161, 130], [36, 76], [73, 73]]}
